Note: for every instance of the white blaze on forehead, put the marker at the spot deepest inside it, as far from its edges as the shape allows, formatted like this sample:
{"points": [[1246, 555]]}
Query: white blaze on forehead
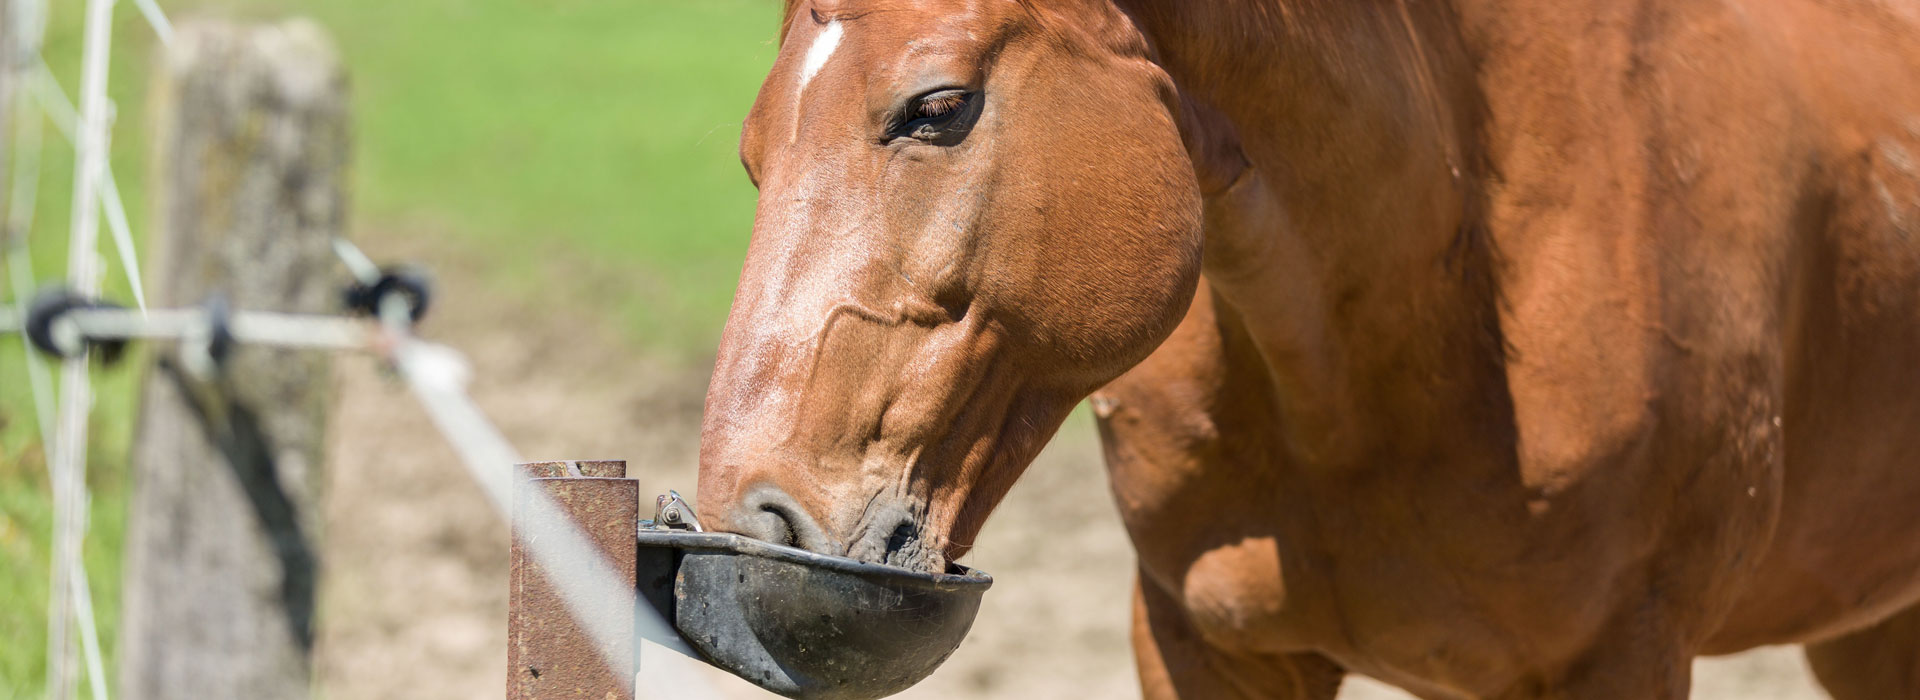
{"points": [[821, 51]]}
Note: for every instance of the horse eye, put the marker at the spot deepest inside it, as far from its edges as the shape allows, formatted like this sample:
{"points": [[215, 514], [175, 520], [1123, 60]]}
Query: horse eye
{"points": [[940, 117], [940, 104]]}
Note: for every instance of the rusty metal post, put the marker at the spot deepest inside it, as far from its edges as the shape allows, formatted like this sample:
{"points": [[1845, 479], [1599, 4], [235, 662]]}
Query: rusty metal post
{"points": [[549, 655]]}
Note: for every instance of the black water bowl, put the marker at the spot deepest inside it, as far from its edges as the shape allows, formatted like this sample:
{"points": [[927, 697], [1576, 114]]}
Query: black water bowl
{"points": [[806, 625]]}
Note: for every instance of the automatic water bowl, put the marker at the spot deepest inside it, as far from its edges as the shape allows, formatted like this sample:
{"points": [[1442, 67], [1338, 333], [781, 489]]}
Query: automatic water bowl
{"points": [[802, 624]]}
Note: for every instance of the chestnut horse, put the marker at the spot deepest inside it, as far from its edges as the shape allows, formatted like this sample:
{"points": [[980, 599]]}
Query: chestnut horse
{"points": [[1492, 348]]}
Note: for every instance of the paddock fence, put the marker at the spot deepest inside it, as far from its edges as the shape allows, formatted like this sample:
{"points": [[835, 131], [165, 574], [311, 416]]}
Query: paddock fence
{"points": [[255, 288]]}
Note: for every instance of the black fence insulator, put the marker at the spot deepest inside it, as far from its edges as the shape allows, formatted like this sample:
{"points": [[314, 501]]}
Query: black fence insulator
{"points": [[411, 284], [220, 339], [47, 308]]}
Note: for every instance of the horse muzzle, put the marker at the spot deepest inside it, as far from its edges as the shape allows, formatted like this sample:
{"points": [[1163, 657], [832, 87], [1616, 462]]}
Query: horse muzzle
{"points": [[800, 623]]}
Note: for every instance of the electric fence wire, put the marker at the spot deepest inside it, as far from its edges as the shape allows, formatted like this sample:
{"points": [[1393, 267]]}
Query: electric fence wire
{"points": [[69, 457], [436, 375]]}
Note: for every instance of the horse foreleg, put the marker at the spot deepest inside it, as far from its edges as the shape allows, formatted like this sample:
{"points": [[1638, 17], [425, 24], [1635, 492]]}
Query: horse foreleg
{"points": [[1175, 663], [1639, 657], [1881, 662]]}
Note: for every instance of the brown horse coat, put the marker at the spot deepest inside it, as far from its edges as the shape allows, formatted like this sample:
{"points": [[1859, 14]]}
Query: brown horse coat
{"points": [[1530, 348]]}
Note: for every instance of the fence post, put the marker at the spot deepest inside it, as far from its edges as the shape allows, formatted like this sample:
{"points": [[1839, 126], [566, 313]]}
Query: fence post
{"points": [[250, 155], [549, 654]]}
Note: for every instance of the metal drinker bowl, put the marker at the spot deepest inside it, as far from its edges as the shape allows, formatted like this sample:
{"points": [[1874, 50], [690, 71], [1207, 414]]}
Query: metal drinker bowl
{"points": [[802, 624]]}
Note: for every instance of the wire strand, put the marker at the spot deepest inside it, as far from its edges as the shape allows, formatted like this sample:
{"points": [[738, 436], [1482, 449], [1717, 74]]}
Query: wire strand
{"points": [[76, 396], [59, 108], [89, 632], [161, 27]]}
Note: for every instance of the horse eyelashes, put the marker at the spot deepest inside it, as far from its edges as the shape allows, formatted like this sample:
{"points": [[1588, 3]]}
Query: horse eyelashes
{"points": [[940, 106], [941, 118]]}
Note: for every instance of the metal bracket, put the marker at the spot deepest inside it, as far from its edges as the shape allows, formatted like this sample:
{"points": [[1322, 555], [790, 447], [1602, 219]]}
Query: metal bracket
{"points": [[671, 512]]}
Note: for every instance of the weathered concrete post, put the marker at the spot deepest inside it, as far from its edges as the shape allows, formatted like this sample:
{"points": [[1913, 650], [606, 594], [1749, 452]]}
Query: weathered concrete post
{"points": [[250, 159]]}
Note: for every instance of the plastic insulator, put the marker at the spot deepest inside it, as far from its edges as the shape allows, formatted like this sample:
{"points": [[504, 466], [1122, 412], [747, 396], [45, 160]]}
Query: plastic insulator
{"points": [[220, 340], [412, 284], [45, 311]]}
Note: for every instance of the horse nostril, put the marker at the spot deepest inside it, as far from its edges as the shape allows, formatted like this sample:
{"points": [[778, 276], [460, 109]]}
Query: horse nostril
{"points": [[903, 535], [892, 537], [770, 515], [781, 531]]}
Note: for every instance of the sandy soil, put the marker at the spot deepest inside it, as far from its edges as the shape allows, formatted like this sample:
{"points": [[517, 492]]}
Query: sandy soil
{"points": [[414, 596]]}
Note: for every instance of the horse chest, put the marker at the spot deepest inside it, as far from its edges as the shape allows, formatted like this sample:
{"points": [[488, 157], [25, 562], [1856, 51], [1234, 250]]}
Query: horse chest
{"points": [[1355, 577], [1394, 572]]}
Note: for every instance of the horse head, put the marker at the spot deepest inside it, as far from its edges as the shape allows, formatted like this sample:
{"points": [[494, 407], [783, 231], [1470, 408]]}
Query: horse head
{"points": [[972, 214]]}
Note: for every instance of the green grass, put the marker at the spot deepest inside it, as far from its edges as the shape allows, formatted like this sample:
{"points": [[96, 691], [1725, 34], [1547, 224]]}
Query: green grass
{"points": [[571, 146], [592, 134]]}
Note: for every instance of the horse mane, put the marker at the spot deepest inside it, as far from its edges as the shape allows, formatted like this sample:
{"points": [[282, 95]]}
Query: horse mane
{"points": [[1117, 34]]}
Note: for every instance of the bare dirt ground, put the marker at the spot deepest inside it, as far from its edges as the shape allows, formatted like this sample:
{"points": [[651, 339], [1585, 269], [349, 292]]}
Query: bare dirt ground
{"points": [[414, 595]]}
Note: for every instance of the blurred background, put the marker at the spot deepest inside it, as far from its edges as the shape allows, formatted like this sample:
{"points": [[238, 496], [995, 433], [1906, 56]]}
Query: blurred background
{"points": [[567, 169]]}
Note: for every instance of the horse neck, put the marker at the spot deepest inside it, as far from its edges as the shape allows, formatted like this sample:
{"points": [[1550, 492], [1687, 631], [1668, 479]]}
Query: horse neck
{"points": [[1339, 145]]}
